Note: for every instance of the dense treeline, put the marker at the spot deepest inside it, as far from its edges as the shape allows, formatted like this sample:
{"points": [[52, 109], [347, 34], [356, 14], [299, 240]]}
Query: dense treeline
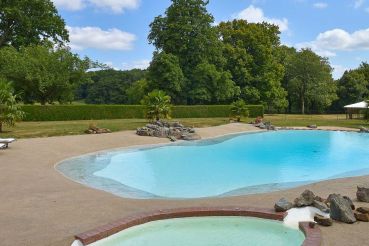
{"points": [[195, 62]]}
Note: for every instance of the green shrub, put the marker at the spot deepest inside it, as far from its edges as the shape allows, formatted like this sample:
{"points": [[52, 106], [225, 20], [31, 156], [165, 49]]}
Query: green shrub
{"points": [[98, 112]]}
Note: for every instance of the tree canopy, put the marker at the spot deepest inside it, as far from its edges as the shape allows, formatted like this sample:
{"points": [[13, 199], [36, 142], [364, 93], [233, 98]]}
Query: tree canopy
{"points": [[41, 73], [309, 81], [27, 22]]}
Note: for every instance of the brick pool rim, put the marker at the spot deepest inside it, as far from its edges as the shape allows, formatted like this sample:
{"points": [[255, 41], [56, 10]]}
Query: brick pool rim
{"points": [[312, 235]]}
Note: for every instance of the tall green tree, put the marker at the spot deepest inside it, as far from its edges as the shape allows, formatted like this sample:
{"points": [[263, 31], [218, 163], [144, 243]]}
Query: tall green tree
{"points": [[10, 111], [186, 31], [212, 86], [166, 74], [137, 91], [251, 52], [26, 22], [43, 74], [352, 88], [310, 81]]}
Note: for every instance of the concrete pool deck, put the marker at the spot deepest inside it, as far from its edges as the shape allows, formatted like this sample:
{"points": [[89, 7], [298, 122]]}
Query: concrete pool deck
{"points": [[39, 206]]}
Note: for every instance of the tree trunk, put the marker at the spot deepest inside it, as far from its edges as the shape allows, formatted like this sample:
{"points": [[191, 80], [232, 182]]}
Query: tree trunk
{"points": [[303, 106], [1, 126]]}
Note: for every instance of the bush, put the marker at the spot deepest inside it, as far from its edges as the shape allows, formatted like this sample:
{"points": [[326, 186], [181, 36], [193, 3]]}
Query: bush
{"points": [[99, 112]]}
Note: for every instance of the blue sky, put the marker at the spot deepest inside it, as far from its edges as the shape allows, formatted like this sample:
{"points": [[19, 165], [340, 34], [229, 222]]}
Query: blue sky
{"points": [[115, 31]]}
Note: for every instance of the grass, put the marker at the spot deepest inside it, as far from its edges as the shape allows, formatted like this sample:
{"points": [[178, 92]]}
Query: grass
{"points": [[320, 120], [61, 128]]}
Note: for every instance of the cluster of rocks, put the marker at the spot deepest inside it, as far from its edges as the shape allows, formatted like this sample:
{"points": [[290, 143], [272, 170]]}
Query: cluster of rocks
{"points": [[364, 129], [312, 126], [97, 130], [340, 208], [263, 125], [174, 131]]}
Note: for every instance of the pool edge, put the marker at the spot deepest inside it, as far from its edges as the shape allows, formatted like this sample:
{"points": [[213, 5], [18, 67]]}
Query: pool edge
{"points": [[313, 237]]}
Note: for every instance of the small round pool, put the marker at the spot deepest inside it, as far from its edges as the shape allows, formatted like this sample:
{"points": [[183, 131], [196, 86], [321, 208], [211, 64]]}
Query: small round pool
{"points": [[207, 231], [226, 166]]}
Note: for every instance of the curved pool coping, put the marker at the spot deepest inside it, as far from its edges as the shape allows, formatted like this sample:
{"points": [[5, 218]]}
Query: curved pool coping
{"points": [[312, 234], [133, 193]]}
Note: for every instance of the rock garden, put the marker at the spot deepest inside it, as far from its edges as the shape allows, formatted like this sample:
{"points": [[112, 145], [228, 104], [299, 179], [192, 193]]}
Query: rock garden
{"points": [[339, 208], [172, 130]]}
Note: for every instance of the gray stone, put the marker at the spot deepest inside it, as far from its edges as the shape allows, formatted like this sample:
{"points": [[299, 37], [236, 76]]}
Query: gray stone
{"points": [[341, 210], [321, 206], [191, 137], [323, 221], [172, 139], [312, 126], [364, 130], [283, 205], [362, 193], [305, 199], [352, 205]]}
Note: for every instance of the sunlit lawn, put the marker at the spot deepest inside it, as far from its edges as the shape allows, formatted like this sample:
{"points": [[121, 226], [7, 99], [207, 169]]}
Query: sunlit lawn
{"points": [[60, 128]]}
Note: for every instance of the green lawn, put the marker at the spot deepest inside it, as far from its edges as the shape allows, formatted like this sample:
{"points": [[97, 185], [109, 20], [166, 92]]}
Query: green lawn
{"points": [[59, 128]]}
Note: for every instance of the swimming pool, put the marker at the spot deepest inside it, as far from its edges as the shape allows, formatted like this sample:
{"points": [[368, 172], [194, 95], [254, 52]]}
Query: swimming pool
{"points": [[200, 231], [232, 165]]}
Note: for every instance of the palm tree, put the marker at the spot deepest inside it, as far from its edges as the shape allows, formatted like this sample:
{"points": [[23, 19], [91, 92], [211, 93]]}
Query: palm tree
{"points": [[10, 111], [157, 105], [239, 109]]}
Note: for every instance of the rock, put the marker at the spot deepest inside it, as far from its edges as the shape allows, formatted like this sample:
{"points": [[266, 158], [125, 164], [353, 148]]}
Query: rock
{"points": [[162, 129], [362, 193], [363, 210], [191, 137], [305, 199], [319, 199], [361, 216], [341, 209], [323, 221], [364, 130], [283, 205], [350, 202], [312, 126], [172, 139], [321, 206]]}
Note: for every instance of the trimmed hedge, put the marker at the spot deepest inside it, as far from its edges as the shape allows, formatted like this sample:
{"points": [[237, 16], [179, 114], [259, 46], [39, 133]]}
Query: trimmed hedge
{"points": [[98, 112]]}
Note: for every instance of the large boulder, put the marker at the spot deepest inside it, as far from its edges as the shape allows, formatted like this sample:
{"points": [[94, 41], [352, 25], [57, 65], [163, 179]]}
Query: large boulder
{"points": [[362, 193], [323, 221], [282, 205], [305, 199], [352, 205], [341, 209]]}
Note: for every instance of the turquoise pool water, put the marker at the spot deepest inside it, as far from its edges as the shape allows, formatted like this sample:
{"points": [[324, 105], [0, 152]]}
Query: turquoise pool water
{"points": [[207, 231], [242, 164]]}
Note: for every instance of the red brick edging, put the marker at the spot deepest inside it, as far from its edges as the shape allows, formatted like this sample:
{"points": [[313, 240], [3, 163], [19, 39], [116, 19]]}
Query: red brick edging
{"points": [[312, 234]]}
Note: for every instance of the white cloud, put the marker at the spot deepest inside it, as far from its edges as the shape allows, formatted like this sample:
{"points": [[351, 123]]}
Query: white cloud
{"points": [[320, 5], [327, 43], [256, 15], [70, 5], [358, 3], [140, 64], [117, 6], [338, 71], [94, 37]]}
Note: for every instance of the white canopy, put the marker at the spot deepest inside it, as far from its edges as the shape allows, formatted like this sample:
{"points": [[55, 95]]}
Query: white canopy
{"points": [[360, 105]]}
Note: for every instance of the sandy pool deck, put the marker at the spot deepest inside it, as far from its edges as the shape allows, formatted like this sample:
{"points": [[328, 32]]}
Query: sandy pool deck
{"points": [[39, 206]]}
